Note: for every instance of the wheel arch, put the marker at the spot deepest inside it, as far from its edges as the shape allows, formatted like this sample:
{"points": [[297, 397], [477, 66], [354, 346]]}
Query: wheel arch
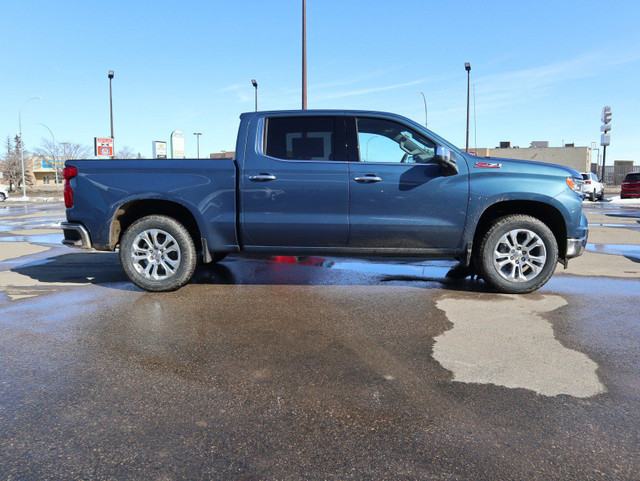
{"points": [[544, 212], [131, 211]]}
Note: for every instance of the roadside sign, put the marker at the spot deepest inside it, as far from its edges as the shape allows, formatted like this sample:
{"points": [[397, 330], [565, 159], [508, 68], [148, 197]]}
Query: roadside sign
{"points": [[178, 150], [159, 149], [103, 147]]}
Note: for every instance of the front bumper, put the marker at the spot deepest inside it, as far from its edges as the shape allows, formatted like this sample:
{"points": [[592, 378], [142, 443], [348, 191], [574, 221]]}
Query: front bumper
{"points": [[76, 235], [575, 247]]}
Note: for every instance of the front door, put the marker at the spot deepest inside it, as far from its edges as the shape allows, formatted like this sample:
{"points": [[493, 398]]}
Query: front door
{"points": [[399, 197], [295, 189]]}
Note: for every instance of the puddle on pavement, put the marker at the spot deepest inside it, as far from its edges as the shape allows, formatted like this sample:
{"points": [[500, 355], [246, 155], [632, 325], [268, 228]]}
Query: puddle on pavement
{"points": [[629, 251], [392, 267], [35, 239], [505, 340]]}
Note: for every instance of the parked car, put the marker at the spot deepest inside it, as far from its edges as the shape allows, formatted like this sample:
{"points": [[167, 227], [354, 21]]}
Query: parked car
{"points": [[592, 187], [630, 187], [313, 183], [4, 193]]}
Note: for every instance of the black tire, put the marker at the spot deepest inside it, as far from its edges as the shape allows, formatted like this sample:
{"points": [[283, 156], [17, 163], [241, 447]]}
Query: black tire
{"points": [[592, 196], [485, 257], [180, 254], [2, 197]]}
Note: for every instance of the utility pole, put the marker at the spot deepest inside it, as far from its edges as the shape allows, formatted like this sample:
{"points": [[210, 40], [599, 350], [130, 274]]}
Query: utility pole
{"points": [[425, 109], [467, 67], [255, 86], [55, 155], [24, 185], [304, 54], [111, 109], [198, 134]]}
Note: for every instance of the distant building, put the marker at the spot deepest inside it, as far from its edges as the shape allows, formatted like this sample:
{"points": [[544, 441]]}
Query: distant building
{"points": [[223, 155], [44, 172], [578, 158]]}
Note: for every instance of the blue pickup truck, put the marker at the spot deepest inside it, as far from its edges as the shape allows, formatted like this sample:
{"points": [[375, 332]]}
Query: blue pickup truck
{"points": [[338, 183]]}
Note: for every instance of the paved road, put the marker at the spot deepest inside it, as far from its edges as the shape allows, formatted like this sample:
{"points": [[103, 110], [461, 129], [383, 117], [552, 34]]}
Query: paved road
{"points": [[316, 368]]}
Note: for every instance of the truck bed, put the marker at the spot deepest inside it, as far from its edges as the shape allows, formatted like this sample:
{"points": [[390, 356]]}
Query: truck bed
{"points": [[207, 187]]}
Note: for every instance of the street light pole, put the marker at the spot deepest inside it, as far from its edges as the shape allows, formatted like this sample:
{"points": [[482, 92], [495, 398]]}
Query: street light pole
{"points": [[198, 134], [110, 76], [55, 157], [425, 108], [24, 185], [304, 54], [255, 85], [467, 67]]}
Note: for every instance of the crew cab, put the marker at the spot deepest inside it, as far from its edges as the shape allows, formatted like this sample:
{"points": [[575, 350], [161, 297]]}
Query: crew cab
{"points": [[336, 183]]}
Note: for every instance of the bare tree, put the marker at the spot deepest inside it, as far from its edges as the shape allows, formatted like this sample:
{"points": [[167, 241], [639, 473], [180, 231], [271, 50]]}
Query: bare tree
{"points": [[125, 153], [12, 163], [58, 152]]}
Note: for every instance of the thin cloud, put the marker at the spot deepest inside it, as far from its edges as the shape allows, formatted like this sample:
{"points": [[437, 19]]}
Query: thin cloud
{"points": [[230, 88]]}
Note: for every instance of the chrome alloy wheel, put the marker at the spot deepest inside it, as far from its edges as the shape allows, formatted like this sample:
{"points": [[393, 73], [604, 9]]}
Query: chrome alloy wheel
{"points": [[155, 254], [520, 255]]}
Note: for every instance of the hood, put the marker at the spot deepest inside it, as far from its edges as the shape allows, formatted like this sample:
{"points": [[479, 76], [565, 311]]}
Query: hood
{"points": [[525, 166]]}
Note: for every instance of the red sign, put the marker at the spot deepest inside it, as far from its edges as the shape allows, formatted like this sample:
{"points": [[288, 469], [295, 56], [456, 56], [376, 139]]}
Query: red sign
{"points": [[103, 147]]}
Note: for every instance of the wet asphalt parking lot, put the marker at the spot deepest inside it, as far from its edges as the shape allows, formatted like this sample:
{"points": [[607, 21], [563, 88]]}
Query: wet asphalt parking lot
{"points": [[316, 368]]}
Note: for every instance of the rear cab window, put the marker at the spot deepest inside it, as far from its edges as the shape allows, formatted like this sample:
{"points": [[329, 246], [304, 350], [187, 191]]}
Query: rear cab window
{"points": [[632, 177], [315, 138]]}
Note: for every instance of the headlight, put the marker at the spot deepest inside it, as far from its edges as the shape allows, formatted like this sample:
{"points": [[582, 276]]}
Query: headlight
{"points": [[575, 184]]}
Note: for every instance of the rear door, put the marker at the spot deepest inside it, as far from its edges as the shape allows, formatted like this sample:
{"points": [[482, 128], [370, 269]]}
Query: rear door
{"points": [[399, 197], [294, 186]]}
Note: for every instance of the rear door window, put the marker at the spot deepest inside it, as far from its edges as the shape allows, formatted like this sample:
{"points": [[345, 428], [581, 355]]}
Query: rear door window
{"points": [[320, 138]]}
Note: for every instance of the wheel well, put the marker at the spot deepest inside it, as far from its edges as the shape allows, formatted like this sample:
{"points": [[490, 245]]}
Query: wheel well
{"points": [[130, 212], [541, 211]]}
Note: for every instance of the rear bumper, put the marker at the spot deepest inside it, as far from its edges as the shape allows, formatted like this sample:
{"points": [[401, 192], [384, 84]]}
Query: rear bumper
{"points": [[76, 235]]}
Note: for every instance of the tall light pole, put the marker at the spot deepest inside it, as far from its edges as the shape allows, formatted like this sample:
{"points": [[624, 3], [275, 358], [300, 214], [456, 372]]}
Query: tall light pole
{"points": [[304, 54], [110, 76], [24, 185], [64, 149], [255, 86], [425, 108], [467, 67], [55, 157], [198, 134]]}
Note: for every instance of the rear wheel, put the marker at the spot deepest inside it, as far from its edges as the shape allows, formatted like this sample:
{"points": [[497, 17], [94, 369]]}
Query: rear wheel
{"points": [[592, 196], [157, 254], [518, 254], [2, 197]]}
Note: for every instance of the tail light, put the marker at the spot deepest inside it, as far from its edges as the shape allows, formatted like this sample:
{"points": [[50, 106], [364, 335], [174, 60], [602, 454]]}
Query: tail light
{"points": [[68, 173], [587, 181]]}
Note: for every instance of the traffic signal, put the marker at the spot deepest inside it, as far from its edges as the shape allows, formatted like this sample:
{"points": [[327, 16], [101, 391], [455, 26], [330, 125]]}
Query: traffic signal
{"points": [[605, 138]]}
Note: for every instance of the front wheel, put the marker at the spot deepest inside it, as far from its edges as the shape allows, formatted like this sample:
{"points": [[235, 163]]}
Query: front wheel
{"points": [[518, 254], [157, 253]]}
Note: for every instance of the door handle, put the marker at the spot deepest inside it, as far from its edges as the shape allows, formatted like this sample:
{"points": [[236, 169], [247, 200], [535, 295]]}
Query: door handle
{"points": [[262, 177], [368, 179]]}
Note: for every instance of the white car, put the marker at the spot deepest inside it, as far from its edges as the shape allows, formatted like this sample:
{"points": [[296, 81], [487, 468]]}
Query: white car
{"points": [[4, 192], [592, 187]]}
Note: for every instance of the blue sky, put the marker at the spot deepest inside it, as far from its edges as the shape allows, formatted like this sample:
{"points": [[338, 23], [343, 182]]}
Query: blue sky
{"points": [[541, 70]]}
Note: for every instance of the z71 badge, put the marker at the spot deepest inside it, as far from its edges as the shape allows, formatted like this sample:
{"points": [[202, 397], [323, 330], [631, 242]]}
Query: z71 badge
{"points": [[487, 165]]}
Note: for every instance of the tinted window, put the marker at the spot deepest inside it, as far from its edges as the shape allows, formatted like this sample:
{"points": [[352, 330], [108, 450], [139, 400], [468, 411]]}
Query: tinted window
{"points": [[301, 138], [634, 176], [585, 176], [383, 140]]}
